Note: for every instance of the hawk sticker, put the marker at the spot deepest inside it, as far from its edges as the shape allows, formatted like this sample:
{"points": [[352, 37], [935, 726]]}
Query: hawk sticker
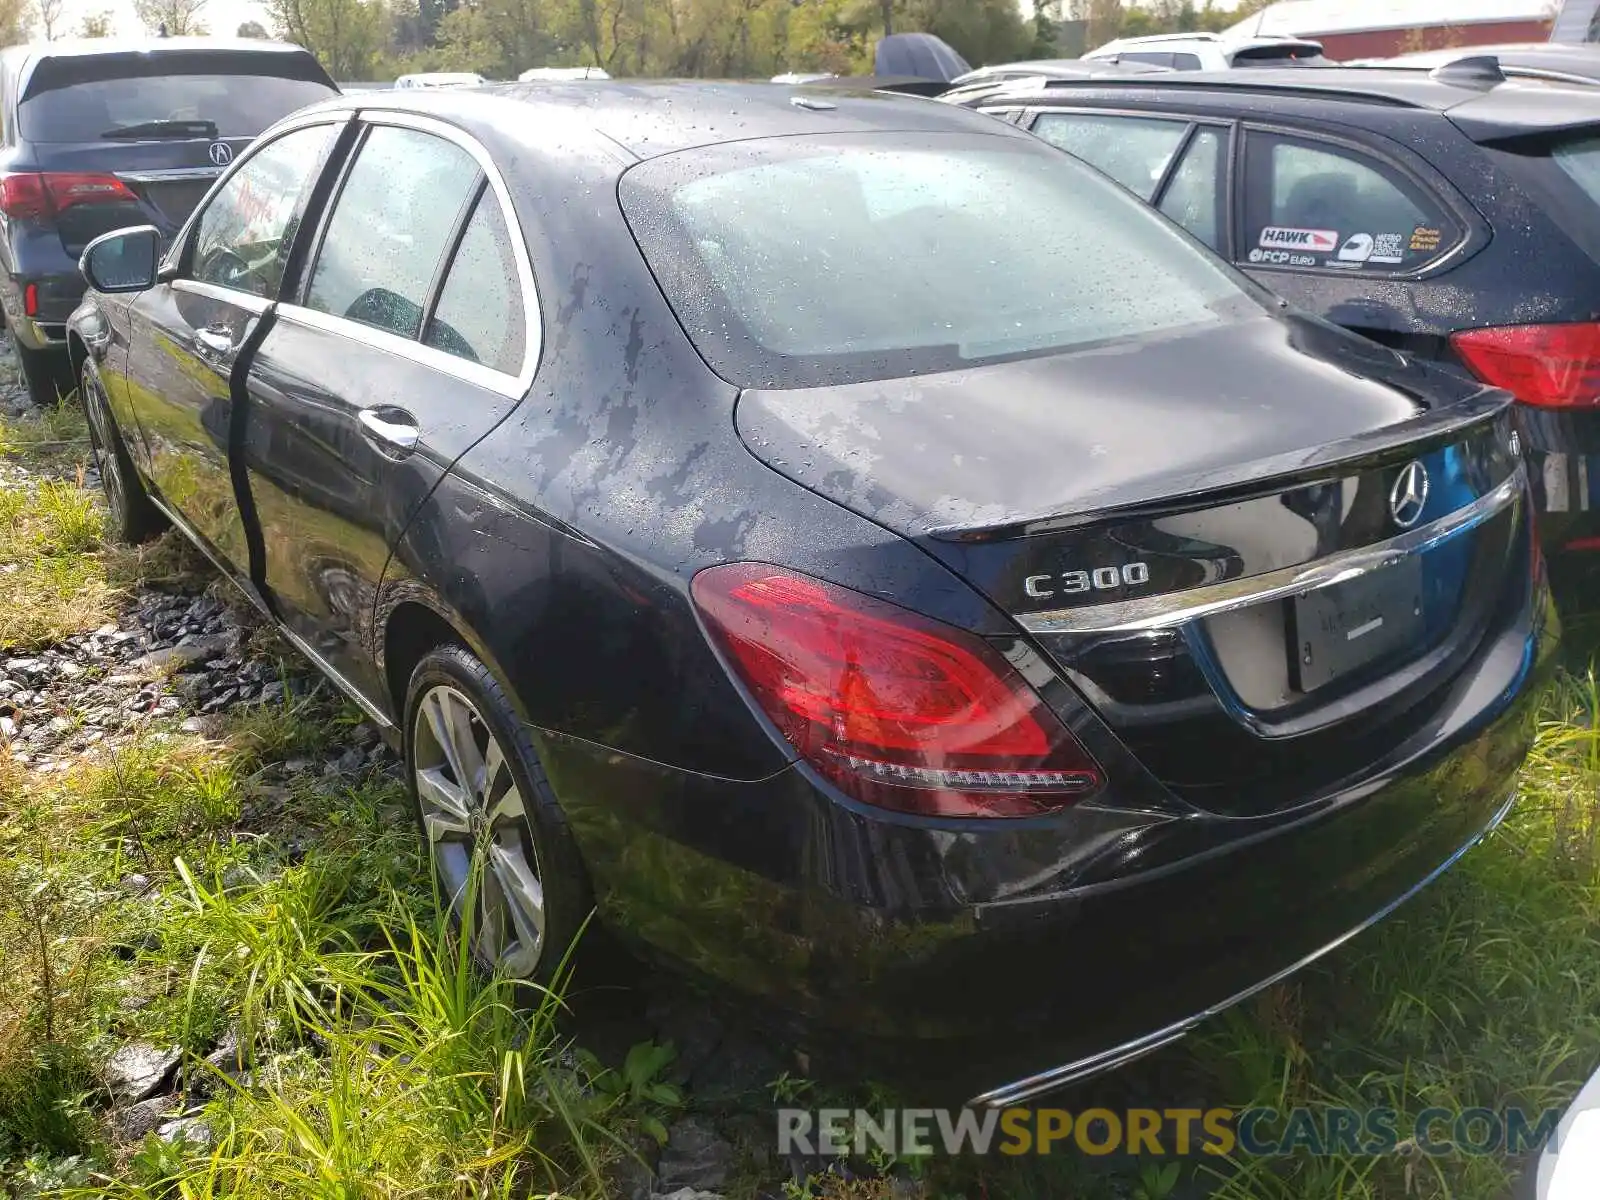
{"points": [[1316, 241]]}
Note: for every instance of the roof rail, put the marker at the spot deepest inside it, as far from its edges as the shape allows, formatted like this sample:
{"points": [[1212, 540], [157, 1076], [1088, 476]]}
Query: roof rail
{"points": [[1476, 70]]}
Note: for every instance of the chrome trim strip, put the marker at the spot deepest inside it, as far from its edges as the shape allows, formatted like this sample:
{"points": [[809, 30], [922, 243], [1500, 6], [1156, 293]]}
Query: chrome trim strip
{"points": [[417, 352], [1048, 1081], [339, 681], [170, 175], [1174, 608], [532, 316], [211, 291], [300, 644]]}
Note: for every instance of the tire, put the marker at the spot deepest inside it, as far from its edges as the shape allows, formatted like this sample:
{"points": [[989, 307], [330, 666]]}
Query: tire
{"points": [[513, 816], [48, 374], [134, 518]]}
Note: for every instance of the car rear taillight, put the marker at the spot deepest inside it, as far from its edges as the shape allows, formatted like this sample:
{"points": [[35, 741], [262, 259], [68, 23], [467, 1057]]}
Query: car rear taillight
{"points": [[30, 300], [897, 710], [35, 195], [1547, 366]]}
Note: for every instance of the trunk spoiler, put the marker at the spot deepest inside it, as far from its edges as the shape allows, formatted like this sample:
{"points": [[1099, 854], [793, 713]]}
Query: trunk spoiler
{"points": [[1156, 495]]}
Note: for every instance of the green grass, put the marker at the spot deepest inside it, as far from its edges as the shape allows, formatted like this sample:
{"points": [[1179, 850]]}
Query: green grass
{"points": [[177, 889]]}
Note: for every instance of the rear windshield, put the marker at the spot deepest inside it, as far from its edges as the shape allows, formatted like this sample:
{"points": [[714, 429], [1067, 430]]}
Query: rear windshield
{"points": [[799, 262], [240, 103]]}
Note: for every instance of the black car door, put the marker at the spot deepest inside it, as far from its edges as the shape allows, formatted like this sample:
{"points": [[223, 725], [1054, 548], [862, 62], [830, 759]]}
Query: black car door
{"points": [[1358, 232], [411, 334], [185, 334]]}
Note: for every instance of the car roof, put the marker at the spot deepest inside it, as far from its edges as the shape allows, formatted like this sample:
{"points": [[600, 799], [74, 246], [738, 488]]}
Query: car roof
{"points": [[1065, 68], [1472, 90], [85, 47], [652, 118]]}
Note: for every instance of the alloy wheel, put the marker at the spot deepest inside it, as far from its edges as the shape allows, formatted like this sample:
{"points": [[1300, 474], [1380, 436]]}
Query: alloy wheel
{"points": [[475, 821]]}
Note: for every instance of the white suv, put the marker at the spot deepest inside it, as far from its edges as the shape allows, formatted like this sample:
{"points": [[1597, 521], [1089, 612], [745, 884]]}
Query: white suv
{"points": [[1210, 51]]}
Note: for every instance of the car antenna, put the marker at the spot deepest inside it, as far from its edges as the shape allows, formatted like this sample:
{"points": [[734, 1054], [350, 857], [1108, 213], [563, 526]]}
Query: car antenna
{"points": [[1478, 70]]}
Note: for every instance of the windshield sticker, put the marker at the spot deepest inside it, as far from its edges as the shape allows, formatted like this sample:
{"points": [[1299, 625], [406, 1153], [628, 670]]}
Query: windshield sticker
{"points": [[1388, 248], [1322, 241], [1282, 258], [1423, 238]]}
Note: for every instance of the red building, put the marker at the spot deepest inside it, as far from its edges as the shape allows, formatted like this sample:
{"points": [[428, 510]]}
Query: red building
{"points": [[1353, 29]]}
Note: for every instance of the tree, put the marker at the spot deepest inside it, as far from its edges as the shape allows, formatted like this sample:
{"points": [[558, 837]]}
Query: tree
{"points": [[15, 17], [181, 17], [49, 16], [252, 29], [95, 25], [346, 35]]}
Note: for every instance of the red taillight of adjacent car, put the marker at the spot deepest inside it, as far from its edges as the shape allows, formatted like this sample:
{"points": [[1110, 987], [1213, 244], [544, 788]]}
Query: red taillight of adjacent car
{"points": [[1547, 366], [28, 194], [895, 709]]}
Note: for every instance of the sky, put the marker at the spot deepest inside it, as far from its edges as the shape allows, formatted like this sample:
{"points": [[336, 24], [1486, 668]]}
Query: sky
{"points": [[219, 16]]}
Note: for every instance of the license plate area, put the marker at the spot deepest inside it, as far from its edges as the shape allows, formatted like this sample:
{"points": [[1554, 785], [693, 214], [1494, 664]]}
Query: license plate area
{"points": [[1338, 629]]}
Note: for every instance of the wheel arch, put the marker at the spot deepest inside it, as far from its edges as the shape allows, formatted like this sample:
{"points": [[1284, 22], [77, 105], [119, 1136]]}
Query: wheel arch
{"points": [[77, 352], [410, 626]]}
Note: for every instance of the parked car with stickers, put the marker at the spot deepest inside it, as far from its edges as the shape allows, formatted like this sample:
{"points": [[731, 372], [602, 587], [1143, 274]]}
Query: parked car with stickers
{"points": [[852, 546], [1452, 214], [105, 133]]}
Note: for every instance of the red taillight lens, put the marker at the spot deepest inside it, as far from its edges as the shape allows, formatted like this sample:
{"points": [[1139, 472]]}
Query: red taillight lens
{"points": [[1548, 366], [895, 709], [31, 195], [30, 300], [23, 196]]}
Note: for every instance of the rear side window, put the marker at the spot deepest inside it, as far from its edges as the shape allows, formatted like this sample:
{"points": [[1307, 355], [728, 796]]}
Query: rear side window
{"points": [[804, 261], [479, 316], [91, 99], [1134, 151], [1155, 58], [1316, 205], [390, 228], [1186, 62]]}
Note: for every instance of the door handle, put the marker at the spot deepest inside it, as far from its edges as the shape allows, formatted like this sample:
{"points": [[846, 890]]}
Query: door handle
{"points": [[214, 339], [394, 427]]}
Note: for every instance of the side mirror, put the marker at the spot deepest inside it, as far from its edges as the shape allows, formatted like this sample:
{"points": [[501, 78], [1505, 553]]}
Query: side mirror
{"points": [[123, 261]]}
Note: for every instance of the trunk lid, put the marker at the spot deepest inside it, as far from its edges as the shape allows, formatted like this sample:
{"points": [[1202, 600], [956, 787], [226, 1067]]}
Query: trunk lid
{"points": [[1201, 531]]}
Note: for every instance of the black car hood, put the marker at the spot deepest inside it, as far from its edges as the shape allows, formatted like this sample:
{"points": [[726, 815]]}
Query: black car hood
{"points": [[1000, 447]]}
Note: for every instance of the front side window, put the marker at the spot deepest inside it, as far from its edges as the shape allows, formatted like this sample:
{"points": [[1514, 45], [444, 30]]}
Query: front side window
{"points": [[795, 262], [242, 238], [479, 315], [390, 228], [1323, 206], [1133, 151]]}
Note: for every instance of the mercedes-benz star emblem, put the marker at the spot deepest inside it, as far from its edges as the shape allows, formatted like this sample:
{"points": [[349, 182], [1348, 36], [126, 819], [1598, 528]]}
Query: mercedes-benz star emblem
{"points": [[1409, 495], [220, 153]]}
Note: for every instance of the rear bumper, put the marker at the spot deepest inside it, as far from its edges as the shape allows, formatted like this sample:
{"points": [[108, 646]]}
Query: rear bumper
{"points": [[57, 295], [980, 953], [1566, 492]]}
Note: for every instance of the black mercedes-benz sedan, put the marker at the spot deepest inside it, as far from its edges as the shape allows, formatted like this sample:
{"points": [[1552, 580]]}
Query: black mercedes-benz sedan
{"points": [[864, 553]]}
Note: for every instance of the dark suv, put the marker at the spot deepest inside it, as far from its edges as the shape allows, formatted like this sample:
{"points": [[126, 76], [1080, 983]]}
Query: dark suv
{"points": [[98, 135], [1452, 214]]}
